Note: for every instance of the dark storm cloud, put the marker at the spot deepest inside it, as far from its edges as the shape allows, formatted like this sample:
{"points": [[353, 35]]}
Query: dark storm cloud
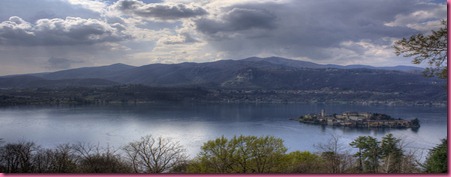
{"points": [[68, 31], [238, 19], [159, 11], [306, 28]]}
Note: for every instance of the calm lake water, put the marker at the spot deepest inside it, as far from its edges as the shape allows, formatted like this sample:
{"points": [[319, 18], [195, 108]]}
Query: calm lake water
{"points": [[194, 124]]}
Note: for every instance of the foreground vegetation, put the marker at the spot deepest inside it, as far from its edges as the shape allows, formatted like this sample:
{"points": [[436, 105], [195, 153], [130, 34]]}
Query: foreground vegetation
{"points": [[240, 154]]}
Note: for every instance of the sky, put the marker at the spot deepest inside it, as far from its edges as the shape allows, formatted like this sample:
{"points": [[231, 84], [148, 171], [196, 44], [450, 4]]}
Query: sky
{"points": [[51, 35]]}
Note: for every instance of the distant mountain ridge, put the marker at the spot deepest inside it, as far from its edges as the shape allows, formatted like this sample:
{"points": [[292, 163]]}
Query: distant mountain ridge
{"points": [[249, 73], [86, 72], [305, 64]]}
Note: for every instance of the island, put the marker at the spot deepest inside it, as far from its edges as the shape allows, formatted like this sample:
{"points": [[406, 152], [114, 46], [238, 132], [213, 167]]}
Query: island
{"points": [[358, 120]]}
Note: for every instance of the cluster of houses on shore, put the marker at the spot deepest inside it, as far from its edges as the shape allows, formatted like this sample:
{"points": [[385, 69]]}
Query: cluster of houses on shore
{"points": [[358, 120]]}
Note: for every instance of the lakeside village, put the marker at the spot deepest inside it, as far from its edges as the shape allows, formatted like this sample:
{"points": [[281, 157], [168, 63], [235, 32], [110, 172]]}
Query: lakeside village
{"points": [[358, 120]]}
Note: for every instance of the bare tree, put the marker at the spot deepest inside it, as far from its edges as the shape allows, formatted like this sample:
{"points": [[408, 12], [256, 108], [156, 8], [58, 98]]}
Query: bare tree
{"points": [[64, 159], [154, 155], [411, 158], [337, 159], [95, 159], [17, 157], [410, 163], [42, 161]]}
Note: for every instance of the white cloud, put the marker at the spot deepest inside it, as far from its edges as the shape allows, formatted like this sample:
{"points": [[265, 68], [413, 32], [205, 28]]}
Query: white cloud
{"points": [[93, 5], [423, 20], [69, 31], [365, 52]]}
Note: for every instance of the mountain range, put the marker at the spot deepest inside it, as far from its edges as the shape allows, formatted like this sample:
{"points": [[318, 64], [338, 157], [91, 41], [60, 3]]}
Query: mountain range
{"points": [[249, 73]]}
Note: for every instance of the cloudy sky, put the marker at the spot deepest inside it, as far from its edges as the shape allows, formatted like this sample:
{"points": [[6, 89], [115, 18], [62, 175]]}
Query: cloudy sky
{"points": [[50, 35]]}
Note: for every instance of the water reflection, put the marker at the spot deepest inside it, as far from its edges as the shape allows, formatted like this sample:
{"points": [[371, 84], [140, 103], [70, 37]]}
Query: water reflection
{"points": [[194, 124]]}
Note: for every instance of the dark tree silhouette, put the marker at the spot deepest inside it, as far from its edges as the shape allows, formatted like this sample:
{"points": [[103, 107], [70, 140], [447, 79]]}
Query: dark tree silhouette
{"points": [[154, 155], [437, 160], [430, 48]]}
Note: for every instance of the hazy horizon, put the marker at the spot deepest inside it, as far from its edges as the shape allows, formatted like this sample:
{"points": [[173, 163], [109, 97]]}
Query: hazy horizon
{"points": [[417, 66]]}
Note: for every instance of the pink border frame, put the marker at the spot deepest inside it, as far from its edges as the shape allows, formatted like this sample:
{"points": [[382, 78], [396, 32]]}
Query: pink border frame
{"points": [[269, 175]]}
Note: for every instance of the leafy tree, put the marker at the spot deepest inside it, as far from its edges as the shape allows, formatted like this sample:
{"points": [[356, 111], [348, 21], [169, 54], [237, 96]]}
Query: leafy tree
{"points": [[243, 154], [195, 165], [360, 144], [437, 160], [217, 156], [369, 153], [267, 152], [154, 155], [430, 48], [391, 154], [373, 154], [302, 162]]}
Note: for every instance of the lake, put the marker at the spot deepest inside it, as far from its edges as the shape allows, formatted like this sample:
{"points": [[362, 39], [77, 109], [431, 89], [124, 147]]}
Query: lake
{"points": [[194, 124]]}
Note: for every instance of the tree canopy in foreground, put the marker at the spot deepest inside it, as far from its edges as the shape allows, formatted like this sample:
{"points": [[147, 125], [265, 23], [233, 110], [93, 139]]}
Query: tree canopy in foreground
{"points": [[240, 154], [431, 48]]}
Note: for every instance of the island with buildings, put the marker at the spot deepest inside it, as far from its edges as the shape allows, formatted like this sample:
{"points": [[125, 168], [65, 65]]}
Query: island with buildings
{"points": [[358, 120]]}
